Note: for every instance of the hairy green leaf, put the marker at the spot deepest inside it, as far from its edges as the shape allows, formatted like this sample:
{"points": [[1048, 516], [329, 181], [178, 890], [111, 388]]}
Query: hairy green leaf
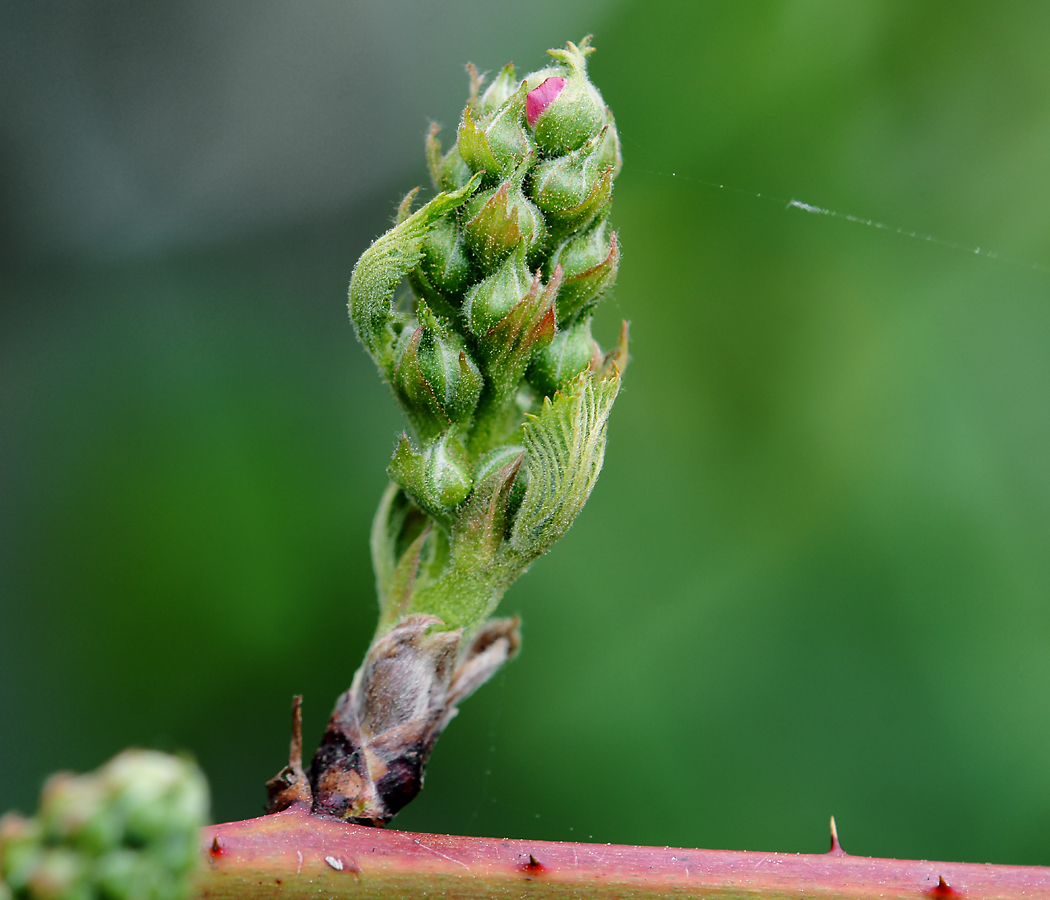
{"points": [[565, 448], [382, 266]]}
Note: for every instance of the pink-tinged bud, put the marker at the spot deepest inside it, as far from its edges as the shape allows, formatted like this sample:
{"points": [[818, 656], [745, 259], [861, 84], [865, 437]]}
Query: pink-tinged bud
{"points": [[538, 100], [571, 352], [435, 379], [563, 108], [589, 262], [497, 221], [505, 350]]}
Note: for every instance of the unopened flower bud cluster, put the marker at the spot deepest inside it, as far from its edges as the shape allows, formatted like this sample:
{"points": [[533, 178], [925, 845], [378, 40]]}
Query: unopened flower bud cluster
{"points": [[126, 832]]}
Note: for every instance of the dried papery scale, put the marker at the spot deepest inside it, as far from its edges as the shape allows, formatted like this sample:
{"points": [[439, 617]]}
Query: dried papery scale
{"points": [[507, 397]]}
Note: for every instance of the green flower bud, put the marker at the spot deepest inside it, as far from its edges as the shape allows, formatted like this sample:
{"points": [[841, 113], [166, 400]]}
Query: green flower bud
{"points": [[571, 352], [497, 221], [490, 300], [79, 811], [444, 271], [448, 172], [506, 349], [589, 262], [126, 832], [159, 801], [60, 874], [563, 108], [498, 143], [437, 480], [573, 189], [128, 875], [20, 849], [447, 474], [435, 379]]}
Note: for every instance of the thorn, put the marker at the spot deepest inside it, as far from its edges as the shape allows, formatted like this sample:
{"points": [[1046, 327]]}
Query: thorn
{"points": [[942, 890], [836, 847], [533, 865], [216, 847]]}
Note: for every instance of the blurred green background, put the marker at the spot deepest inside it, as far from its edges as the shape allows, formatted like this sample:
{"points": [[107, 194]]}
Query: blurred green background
{"points": [[813, 578]]}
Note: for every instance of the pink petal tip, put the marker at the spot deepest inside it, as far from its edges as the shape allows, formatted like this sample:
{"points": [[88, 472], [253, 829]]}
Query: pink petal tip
{"points": [[536, 101]]}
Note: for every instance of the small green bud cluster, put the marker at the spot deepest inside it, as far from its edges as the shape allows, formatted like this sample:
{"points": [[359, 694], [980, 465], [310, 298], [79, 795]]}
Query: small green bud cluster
{"points": [[128, 831], [507, 393]]}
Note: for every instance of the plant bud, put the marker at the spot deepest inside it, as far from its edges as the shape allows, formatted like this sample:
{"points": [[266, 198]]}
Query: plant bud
{"points": [[573, 189], [20, 849], [493, 462], [506, 349], [126, 832], [509, 397], [497, 221], [571, 352], [589, 262], [563, 108], [438, 479], [158, 796], [126, 875], [497, 93], [447, 474], [61, 874], [543, 95], [498, 142], [448, 172], [444, 271], [435, 379], [489, 301]]}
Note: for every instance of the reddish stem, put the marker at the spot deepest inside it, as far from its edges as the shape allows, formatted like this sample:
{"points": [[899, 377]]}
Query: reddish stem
{"points": [[296, 854]]}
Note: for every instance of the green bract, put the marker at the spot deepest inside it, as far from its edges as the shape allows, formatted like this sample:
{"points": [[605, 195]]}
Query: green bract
{"points": [[507, 395]]}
